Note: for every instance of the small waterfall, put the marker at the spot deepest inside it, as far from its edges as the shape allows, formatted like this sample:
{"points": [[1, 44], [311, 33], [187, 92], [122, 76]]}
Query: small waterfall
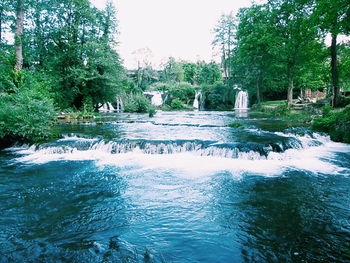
{"points": [[197, 99], [235, 150], [241, 100], [106, 107], [156, 97], [120, 105]]}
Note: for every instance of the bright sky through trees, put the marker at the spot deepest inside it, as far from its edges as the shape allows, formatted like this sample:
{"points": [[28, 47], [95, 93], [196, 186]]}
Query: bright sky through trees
{"points": [[178, 28]]}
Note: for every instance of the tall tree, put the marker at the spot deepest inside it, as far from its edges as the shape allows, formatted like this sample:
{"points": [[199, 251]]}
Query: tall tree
{"points": [[334, 18], [173, 71], [253, 62], [295, 32], [19, 34], [224, 39]]}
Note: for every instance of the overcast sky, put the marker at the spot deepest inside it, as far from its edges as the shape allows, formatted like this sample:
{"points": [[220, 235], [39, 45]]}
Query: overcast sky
{"points": [[178, 28]]}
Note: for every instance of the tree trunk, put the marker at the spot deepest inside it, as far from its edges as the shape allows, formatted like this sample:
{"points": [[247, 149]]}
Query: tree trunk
{"points": [[290, 90], [258, 90], [1, 15], [334, 69], [18, 34]]}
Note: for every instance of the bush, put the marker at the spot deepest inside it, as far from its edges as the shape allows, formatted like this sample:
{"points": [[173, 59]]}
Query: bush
{"points": [[152, 111], [343, 101], [218, 96], [280, 110], [235, 125], [177, 104], [336, 124], [183, 91], [137, 103], [25, 117]]}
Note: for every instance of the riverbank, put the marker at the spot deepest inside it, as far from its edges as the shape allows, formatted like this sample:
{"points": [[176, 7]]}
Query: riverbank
{"points": [[334, 122]]}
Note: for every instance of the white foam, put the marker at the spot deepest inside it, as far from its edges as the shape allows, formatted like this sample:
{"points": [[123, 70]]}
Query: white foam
{"points": [[316, 159]]}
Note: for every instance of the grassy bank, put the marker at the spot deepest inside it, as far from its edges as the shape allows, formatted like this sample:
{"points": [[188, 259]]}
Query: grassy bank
{"points": [[336, 123]]}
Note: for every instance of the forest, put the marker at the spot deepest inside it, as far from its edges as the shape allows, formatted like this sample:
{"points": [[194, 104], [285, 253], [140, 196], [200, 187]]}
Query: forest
{"points": [[60, 56]]}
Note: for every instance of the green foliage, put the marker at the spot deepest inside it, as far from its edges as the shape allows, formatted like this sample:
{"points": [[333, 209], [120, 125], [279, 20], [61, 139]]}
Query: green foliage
{"points": [[224, 40], [6, 68], [173, 71], [88, 105], [336, 124], [218, 96], [326, 111], [25, 116], [151, 111], [208, 73], [74, 44], [235, 125], [137, 103], [184, 92], [177, 104]]}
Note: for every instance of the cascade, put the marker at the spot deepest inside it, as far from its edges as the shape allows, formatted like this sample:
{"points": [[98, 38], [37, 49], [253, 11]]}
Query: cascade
{"points": [[106, 107], [286, 147], [197, 99], [241, 102], [120, 105], [156, 97]]}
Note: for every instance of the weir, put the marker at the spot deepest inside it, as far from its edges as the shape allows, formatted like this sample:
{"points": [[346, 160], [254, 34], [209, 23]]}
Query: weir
{"points": [[238, 150]]}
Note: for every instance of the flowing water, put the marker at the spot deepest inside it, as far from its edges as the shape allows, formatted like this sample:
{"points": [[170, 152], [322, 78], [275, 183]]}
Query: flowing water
{"points": [[241, 102], [179, 187]]}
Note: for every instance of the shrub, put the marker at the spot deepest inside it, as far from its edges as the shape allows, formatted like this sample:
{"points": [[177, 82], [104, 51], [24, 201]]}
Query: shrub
{"points": [[137, 103], [151, 111], [182, 91], [24, 117], [177, 104], [280, 110], [235, 125], [336, 124], [218, 96]]}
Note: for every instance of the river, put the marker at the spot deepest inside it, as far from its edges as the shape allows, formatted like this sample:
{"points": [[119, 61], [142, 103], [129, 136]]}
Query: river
{"points": [[178, 187]]}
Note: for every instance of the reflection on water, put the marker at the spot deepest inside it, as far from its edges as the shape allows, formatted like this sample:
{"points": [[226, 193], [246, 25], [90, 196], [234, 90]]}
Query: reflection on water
{"points": [[172, 193], [241, 113]]}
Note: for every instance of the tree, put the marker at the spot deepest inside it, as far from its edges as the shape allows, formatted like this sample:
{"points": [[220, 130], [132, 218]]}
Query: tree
{"points": [[172, 71], [190, 72], [334, 18], [294, 33], [5, 7], [145, 75], [253, 62], [224, 40], [18, 34], [73, 44], [208, 73]]}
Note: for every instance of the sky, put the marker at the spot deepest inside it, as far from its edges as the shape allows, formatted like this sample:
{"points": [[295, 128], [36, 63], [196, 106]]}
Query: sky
{"points": [[178, 28]]}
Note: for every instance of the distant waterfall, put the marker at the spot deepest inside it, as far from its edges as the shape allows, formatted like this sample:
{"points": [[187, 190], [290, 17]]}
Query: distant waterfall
{"points": [[106, 107], [197, 99], [156, 97], [241, 100], [120, 105]]}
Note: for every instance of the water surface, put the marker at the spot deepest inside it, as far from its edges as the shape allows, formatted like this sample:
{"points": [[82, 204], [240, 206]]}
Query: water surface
{"points": [[179, 187]]}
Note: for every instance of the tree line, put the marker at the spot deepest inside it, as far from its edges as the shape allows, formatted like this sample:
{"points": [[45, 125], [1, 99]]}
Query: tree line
{"points": [[68, 44], [54, 55], [278, 47]]}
